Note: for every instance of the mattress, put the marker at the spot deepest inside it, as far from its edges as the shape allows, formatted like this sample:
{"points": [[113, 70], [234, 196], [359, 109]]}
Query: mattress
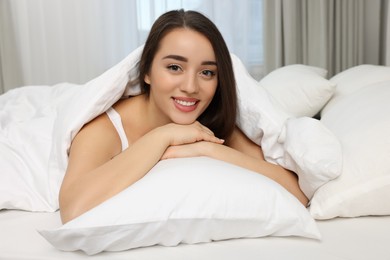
{"points": [[342, 238]]}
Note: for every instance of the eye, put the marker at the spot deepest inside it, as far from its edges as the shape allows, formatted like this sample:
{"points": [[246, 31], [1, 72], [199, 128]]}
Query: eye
{"points": [[208, 73], [174, 67]]}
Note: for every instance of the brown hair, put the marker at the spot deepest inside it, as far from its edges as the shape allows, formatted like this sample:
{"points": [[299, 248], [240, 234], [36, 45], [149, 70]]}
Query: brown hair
{"points": [[220, 115]]}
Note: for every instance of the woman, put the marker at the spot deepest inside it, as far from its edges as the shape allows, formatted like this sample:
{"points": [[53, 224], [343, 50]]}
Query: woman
{"points": [[187, 108]]}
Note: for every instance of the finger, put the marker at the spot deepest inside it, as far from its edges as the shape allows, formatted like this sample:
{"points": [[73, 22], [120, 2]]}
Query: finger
{"points": [[207, 130], [214, 139], [211, 134], [204, 128]]}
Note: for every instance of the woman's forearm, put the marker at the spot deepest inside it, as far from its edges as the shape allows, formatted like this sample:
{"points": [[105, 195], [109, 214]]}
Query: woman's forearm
{"points": [[95, 174], [93, 187], [284, 177]]}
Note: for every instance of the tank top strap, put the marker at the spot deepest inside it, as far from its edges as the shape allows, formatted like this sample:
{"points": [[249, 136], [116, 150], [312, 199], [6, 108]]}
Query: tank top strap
{"points": [[117, 122]]}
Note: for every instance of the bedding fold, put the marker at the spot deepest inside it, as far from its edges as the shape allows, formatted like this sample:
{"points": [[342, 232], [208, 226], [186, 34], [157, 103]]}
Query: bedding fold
{"points": [[38, 123]]}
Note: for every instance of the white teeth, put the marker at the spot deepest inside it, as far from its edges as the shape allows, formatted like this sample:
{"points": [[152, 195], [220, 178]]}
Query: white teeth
{"points": [[185, 103]]}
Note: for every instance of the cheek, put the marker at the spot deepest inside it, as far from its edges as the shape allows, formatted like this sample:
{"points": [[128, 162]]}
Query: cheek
{"points": [[162, 82], [210, 89]]}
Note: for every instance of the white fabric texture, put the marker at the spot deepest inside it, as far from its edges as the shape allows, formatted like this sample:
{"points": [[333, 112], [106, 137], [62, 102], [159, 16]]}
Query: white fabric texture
{"points": [[217, 201], [26, 122], [355, 78], [342, 238], [359, 117], [37, 126], [36, 167], [258, 117], [315, 155], [300, 90]]}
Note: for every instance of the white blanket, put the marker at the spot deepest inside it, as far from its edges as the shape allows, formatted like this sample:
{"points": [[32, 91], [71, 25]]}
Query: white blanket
{"points": [[38, 123]]}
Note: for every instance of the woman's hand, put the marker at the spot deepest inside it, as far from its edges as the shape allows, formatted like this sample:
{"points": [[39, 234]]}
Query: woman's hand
{"points": [[188, 134], [202, 148]]}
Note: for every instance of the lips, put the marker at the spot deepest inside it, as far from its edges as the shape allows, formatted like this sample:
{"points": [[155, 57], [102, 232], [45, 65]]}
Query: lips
{"points": [[185, 104]]}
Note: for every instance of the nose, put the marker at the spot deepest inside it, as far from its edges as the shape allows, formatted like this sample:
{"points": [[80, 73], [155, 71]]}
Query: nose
{"points": [[190, 84]]}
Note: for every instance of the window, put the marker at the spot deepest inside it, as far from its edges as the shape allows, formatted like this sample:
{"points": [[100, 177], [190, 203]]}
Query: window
{"points": [[240, 24]]}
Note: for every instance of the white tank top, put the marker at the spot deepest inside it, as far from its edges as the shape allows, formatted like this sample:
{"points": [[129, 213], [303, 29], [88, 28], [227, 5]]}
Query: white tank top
{"points": [[117, 122]]}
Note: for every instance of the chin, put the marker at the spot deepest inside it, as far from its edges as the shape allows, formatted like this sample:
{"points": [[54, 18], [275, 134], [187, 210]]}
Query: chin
{"points": [[187, 120]]}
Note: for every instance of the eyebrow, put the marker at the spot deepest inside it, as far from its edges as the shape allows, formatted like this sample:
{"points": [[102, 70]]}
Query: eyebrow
{"points": [[184, 59]]}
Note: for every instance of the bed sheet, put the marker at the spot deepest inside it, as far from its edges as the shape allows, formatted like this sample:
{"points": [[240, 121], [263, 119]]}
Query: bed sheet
{"points": [[343, 238]]}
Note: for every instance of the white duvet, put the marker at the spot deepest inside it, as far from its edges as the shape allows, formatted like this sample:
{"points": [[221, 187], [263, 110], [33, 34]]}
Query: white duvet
{"points": [[38, 123]]}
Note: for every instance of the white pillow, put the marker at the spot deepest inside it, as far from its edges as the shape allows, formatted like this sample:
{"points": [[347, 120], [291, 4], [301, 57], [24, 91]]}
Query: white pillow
{"points": [[355, 78], [361, 122], [311, 151], [300, 90], [187, 200], [302, 145]]}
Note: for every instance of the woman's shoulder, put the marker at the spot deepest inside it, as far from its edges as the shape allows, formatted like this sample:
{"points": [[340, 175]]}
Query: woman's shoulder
{"points": [[130, 111], [99, 124], [99, 133]]}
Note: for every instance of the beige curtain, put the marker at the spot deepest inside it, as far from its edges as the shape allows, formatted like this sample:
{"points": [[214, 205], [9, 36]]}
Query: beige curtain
{"points": [[387, 35], [44, 42], [332, 34]]}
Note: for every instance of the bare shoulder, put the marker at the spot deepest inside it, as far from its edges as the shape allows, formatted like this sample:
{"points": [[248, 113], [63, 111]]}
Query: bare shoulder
{"points": [[96, 141], [239, 141]]}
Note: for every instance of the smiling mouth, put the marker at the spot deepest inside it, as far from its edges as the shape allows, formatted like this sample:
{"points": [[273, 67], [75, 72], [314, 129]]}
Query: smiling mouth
{"points": [[185, 103]]}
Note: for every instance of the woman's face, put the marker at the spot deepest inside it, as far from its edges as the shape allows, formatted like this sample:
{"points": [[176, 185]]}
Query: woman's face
{"points": [[183, 76]]}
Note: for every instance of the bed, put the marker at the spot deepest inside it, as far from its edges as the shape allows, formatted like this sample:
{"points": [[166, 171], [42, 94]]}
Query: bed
{"points": [[332, 133], [353, 238]]}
